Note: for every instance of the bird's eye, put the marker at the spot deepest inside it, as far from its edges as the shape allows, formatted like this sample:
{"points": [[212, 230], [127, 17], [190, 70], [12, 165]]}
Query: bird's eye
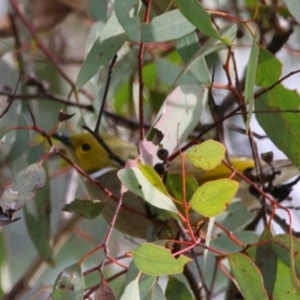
{"points": [[85, 147]]}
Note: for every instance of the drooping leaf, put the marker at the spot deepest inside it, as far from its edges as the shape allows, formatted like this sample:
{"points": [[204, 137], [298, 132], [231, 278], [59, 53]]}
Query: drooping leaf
{"points": [[156, 260], [284, 284], [247, 276], [280, 125], [269, 68], [287, 248], [266, 260]]}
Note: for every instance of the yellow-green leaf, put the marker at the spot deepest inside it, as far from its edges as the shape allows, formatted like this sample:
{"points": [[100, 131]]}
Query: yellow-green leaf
{"points": [[211, 198], [207, 155], [155, 260]]}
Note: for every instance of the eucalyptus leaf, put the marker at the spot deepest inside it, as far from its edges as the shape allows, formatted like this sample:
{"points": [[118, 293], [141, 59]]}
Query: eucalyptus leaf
{"points": [[23, 187], [156, 261], [110, 40], [69, 284], [251, 286]]}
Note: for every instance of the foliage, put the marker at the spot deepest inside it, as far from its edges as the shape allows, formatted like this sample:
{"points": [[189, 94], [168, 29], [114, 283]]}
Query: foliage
{"points": [[163, 75]]}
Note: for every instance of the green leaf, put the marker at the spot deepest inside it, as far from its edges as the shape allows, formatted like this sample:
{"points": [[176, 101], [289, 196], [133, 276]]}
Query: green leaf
{"points": [[181, 110], [155, 260], [132, 291], [69, 284], [134, 180], [237, 216], [152, 176], [37, 218], [284, 284], [189, 49], [97, 10], [247, 276], [131, 275], [266, 260], [187, 46], [250, 79], [110, 40], [225, 244], [281, 127], [175, 187], [195, 65], [269, 68], [146, 283], [213, 197], [168, 26], [21, 142], [197, 15], [155, 293], [170, 73], [131, 24], [207, 155], [294, 8], [281, 245], [23, 188], [177, 290], [268, 255], [88, 209], [196, 70]]}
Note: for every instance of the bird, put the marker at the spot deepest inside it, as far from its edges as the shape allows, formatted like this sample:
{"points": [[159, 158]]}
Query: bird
{"points": [[134, 217]]}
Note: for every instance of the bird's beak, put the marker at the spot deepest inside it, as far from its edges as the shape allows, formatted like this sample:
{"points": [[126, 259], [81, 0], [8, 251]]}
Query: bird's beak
{"points": [[62, 138]]}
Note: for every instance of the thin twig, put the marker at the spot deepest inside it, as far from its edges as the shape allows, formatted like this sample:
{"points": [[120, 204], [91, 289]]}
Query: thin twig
{"points": [[11, 98], [105, 93], [48, 96]]}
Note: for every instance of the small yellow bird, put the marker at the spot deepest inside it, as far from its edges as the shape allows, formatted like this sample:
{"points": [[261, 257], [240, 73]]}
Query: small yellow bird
{"points": [[90, 156]]}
